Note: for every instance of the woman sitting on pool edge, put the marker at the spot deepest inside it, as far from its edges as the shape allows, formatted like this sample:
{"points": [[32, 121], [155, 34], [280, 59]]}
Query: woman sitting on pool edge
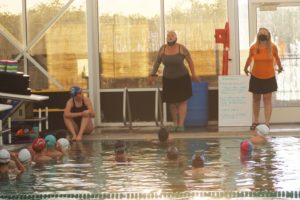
{"points": [[78, 114]]}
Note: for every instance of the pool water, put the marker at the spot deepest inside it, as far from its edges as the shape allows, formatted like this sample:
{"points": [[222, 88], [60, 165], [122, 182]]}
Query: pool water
{"points": [[89, 169]]}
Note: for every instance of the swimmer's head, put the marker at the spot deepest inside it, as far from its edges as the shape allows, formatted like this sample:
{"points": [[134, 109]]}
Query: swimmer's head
{"points": [[120, 147], [74, 91], [262, 129], [163, 134], [198, 159], [4, 156], [64, 144], [24, 156], [172, 153], [38, 145], [51, 141]]}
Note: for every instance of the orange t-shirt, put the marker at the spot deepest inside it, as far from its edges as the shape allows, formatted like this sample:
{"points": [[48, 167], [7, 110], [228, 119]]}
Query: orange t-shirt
{"points": [[263, 66]]}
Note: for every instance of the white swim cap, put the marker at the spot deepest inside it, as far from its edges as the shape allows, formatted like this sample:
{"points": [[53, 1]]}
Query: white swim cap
{"points": [[4, 156], [64, 143], [24, 155], [262, 129]]}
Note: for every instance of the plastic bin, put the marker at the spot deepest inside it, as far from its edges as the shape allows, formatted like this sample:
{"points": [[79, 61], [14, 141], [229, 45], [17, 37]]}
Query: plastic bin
{"points": [[197, 111]]}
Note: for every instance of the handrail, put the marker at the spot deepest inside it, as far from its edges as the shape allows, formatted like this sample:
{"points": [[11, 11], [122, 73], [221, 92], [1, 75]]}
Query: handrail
{"points": [[126, 109], [160, 107], [8, 129], [156, 109]]}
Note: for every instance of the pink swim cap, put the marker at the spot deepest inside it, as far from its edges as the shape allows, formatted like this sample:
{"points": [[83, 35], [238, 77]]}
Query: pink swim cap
{"points": [[246, 146]]}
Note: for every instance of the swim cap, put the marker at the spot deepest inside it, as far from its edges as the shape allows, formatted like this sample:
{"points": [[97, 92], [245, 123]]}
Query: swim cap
{"points": [[163, 134], [262, 129], [75, 90], [64, 143], [4, 156], [24, 155], [120, 147], [246, 146], [172, 153], [51, 141], [38, 144]]}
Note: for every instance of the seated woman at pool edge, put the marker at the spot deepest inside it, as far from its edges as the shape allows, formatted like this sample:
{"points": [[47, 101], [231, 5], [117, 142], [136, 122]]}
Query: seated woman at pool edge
{"points": [[78, 114]]}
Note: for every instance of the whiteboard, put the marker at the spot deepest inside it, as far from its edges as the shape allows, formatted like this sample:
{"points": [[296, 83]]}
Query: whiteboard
{"points": [[235, 101]]}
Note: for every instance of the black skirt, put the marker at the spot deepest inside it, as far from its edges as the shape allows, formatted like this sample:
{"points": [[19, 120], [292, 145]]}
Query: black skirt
{"points": [[177, 90], [262, 86]]}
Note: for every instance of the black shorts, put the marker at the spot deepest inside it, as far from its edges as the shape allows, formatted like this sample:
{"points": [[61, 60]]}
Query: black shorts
{"points": [[262, 86], [176, 90]]}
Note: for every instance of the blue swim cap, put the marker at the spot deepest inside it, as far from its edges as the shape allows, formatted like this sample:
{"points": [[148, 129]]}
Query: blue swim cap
{"points": [[74, 91], [51, 141], [246, 146]]}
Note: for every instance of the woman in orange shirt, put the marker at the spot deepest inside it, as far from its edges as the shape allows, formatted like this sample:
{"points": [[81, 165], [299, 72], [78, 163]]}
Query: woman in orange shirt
{"points": [[264, 55]]}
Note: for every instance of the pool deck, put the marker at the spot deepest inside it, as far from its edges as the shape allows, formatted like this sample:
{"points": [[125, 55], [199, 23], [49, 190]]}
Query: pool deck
{"points": [[210, 132], [150, 133]]}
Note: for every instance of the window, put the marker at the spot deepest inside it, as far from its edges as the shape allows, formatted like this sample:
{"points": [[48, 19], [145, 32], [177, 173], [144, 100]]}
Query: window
{"points": [[54, 44], [129, 41], [195, 23]]}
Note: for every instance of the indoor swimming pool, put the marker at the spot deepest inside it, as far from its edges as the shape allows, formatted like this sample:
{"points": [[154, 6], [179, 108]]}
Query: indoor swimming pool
{"points": [[89, 169]]}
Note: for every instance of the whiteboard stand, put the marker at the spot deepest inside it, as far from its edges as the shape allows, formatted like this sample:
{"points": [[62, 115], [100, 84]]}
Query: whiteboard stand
{"points": [[235, 102]]}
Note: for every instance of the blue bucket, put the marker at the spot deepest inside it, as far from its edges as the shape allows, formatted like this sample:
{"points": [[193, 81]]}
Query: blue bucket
{"points": [[197, 111]]}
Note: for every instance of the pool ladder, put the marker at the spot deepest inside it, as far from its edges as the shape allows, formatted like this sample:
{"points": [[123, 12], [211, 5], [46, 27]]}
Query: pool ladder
{"points": [[127, 115]]}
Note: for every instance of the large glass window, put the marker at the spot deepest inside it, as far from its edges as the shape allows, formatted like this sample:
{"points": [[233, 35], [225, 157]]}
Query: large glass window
{"points": [[288, 41], [10, 28], [130, 37], [129, 40], [62, 48], [243, 33], [54, 44], [195, 23]]}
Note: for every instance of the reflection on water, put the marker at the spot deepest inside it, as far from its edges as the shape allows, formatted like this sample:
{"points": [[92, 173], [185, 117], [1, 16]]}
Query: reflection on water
{"points": [[89, 169]]}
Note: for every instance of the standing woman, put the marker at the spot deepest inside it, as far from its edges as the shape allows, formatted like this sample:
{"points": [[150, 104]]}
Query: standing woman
{"points": [[176, 80], [264, 55]]}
